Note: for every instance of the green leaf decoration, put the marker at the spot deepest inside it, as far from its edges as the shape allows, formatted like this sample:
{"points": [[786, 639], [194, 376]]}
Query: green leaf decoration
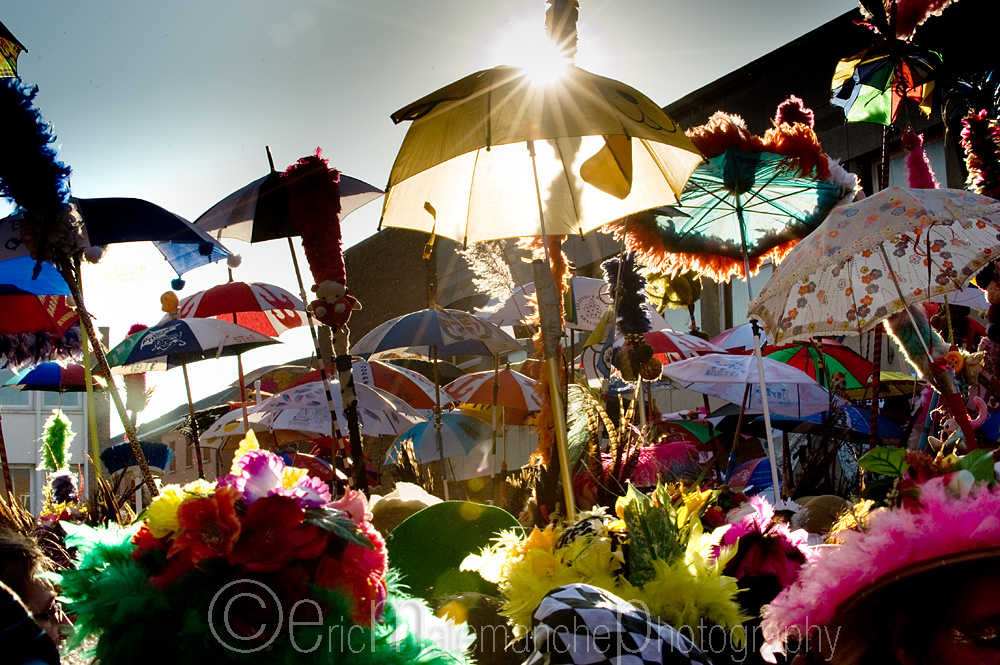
{"points": [[979, 462], [653, 531], [886, 461], [57, 435], [339, 524]]}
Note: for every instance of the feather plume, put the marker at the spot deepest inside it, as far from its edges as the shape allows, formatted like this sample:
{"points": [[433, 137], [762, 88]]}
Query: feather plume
{"points": [[488, 261], [57, 436], [629, 288], [794, 110], [981, 141], [120, 456], [918, 166], [314, 200], [30, 174], [910, 14], [561, 17]]}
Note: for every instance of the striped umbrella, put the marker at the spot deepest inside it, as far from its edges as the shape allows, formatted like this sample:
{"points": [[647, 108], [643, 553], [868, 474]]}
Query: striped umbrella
{"points": [[822, 360], [512, 389]]}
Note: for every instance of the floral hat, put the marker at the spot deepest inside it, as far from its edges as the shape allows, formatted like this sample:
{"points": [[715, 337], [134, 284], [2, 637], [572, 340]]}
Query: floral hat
{"points": [[947, 520], [260, 565]]}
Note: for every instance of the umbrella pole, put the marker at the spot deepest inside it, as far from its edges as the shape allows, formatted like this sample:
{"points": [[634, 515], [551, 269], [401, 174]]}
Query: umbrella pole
{"points": [[437, 423], [95, 446], [335, 425], [772, 456], [496, 393], [551, 334], [8, 483], [876, 382], [194, 423], [67, 272], [243, 392], [342, 361]]}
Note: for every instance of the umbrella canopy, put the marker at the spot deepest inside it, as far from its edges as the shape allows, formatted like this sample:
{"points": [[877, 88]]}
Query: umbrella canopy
{"points": [[822, 359], [738, 339], [481, 149], [10, 48], [452, 332], [114, 220], [461, 435], [877, 256], [751, 200], [754, 473], [851, 421], [871, 85], [305, 409], [412, 387], [790, 391], [670, 346], [891, 384], [275, 378], [264, 308], [513, 389], [684, 431], [970, 296], [260, 211], [36, 314], [53, 377], [447, 371], [182, 341], [17, 276]]}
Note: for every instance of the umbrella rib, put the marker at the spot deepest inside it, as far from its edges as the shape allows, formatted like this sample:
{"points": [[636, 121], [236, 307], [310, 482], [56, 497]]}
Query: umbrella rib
{"points": [[569, 184], [468, 206]]}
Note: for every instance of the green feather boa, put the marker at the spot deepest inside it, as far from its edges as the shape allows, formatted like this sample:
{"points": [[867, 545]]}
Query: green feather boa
{"points": [[113, 600]]}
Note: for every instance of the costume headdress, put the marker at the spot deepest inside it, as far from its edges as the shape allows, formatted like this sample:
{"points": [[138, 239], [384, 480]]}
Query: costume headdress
{"points": [[948, 523]]}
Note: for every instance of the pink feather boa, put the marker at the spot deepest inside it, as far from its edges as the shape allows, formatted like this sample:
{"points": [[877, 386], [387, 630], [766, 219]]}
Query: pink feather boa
{"points": [[942, 525]]}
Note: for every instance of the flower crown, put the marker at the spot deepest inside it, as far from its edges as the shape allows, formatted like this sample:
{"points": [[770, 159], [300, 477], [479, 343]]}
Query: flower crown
{"points": [[261, 561]]}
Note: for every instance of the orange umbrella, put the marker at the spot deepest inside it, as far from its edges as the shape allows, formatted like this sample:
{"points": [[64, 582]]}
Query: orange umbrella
{"points": [[503, 388]]}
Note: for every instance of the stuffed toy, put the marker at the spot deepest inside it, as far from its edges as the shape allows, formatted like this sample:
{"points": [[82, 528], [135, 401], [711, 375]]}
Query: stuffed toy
{"points": [[314, 201], [953, 438]]}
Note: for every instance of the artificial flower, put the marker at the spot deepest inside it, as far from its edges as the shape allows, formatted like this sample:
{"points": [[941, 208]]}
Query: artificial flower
{"points": [[161, 516], [209, 527], [273, 533]]}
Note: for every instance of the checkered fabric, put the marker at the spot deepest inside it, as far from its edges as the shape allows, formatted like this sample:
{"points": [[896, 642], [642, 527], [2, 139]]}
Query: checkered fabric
{"points": [[580, 624]]}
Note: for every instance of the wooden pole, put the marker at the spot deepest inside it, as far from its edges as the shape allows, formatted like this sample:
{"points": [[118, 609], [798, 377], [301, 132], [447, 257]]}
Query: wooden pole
{"points": [[66, 270]]}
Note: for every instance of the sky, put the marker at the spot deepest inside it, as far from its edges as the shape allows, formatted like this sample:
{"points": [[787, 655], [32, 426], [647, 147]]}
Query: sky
{"points": [[175, 103]]}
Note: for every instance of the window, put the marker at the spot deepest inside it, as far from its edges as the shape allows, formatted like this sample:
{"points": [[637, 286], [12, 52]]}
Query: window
{"points": [[12, 396], [172, 467], [188, 454], [54, 400], [20, 476]]}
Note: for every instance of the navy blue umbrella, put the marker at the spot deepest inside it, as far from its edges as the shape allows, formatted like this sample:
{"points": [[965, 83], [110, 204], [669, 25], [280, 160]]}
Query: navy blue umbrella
{"points": [[850, 418]]}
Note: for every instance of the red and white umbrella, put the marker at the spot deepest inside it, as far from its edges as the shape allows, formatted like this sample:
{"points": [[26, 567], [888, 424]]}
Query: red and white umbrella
{"points": [[264, 308], [738, 339], [412, 387], [670, 346], [513, 389]]}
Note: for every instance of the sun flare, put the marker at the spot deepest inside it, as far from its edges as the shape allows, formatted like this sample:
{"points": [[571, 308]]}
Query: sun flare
{"points": [[525, 45]]}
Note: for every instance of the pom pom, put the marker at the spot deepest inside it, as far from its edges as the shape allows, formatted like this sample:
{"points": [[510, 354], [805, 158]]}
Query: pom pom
{"points": [[177, 284], [794, 110], [136, 327], [93, 254], [234, 260], [64, 486]]}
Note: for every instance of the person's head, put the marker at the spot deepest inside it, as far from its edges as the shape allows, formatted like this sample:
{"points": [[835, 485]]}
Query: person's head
{"points": [[21, 561]]}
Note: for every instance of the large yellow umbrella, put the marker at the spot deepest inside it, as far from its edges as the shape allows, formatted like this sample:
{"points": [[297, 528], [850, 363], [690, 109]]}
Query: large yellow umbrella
{"points": [[499, 155], [483, 150]]}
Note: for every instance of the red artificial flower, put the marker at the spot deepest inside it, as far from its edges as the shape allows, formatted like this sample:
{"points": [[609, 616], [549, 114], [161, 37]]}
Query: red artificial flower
{"points": [[177, 566], [145, 542], [209, 527], [359, 572], [274, 532]]}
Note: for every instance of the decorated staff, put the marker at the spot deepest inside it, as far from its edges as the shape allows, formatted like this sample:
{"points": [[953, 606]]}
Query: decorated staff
{"points": [[314, 202], [52, 228]]}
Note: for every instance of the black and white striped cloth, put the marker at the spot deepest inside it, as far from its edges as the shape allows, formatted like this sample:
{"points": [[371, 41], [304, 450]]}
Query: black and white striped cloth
{"points": [[580, 624]]}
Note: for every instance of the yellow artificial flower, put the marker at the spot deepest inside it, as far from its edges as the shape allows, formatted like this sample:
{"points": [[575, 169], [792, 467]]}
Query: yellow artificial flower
{"points": [[693, 503], [291, 475], [248, 443], [200, 487], [161, 516]]}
